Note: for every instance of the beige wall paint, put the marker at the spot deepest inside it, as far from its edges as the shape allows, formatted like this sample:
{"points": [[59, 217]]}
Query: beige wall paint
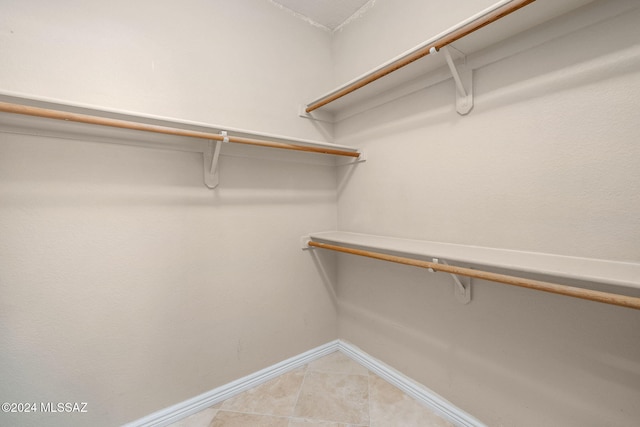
{"points": [[124, 282], [395, 27], [240, 64], [547, 161]]}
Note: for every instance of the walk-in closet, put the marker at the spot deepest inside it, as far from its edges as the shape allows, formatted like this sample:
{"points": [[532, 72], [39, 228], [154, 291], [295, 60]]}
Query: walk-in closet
{"points": [[299, 213]]}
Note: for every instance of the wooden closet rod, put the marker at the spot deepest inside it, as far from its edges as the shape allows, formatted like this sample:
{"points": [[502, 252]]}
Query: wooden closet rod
{"points": [[448, 38], [124, 124], [605, 297]]}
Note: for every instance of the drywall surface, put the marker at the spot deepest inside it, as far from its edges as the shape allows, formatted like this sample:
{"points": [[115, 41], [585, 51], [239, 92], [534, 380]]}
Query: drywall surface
{"points": [[241, 64], [393, 27], [129, 285], [124, 282], [547, 161]]}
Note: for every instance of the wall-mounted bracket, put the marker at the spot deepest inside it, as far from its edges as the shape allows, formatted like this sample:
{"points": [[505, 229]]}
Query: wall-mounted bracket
{"points": [[211, 157], [463, 77], [462, 285], [322, 120], [360, 159], [318, 116], [304, 242]]}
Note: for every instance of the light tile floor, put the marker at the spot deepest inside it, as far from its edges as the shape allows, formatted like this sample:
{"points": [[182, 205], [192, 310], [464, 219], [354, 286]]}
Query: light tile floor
{"points": [[333, 391]]}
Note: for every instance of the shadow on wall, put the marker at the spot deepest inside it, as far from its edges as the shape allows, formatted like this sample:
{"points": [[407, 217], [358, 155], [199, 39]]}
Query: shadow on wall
{"points": [[519, 347], [325, 264], [602, 51], [55, 172]]}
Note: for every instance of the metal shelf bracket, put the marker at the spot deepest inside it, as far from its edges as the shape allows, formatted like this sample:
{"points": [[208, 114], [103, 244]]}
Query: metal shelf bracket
{"points": [[463, 76], [462, 285], [211, 157]]}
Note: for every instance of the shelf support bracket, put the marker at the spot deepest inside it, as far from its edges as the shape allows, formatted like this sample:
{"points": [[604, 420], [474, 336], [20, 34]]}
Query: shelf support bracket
{"points": [[317, 115], [462, 285], [211, 159], [463, 77]]}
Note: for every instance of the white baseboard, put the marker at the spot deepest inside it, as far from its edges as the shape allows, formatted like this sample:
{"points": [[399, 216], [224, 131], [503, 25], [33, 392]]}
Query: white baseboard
{"points": [[422, 394], [181, 410]]}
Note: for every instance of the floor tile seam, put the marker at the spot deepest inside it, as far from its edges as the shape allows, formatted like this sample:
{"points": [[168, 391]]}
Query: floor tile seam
{"points": [[310, 371], [251, 413], [295, 405], [322, 420], [369, 396], [262, 391], [327, 371], [213, 417], [327, 421]]}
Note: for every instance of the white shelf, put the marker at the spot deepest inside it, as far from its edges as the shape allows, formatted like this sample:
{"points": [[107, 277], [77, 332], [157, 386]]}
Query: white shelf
{"points": [[534, 24], [62, 105], [45, 117], [587, 269]]}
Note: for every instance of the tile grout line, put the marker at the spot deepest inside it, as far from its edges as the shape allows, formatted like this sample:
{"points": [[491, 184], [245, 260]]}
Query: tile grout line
{"points": [[410, 387], [369, 394], [295, 405], [324, 371], [214, 415], [308, 371], [373, 369], [252, 413]]}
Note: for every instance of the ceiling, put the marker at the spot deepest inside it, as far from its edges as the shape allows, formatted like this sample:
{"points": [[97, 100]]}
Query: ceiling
{"points": [[326, 13]]}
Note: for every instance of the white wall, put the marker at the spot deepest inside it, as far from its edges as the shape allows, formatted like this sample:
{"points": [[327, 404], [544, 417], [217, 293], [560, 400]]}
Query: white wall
{"points": [[390, 28], [125, 282], [547, 161], [240, 64]]}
